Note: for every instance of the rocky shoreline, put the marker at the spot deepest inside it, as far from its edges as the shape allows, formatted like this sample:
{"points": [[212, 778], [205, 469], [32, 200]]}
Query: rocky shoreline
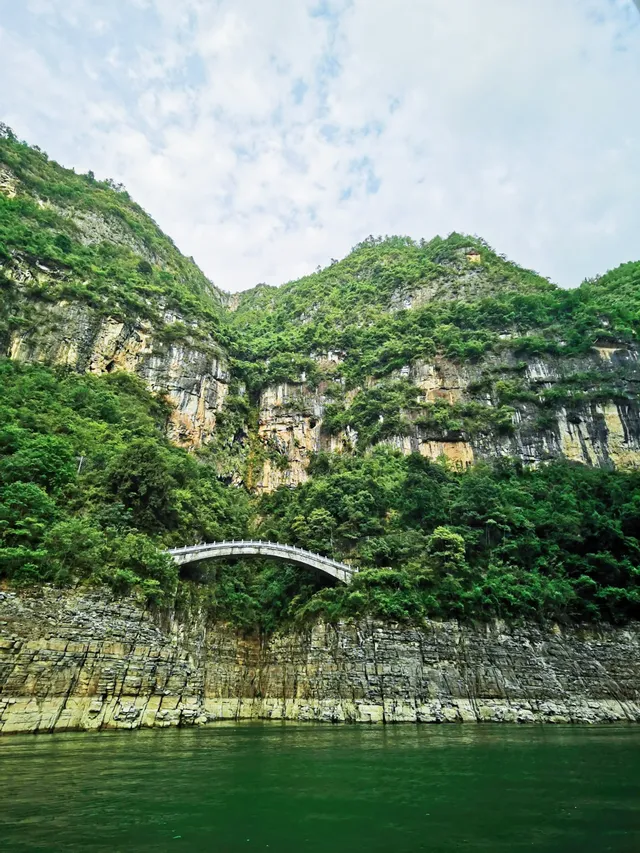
{"points": [[85, 660]]}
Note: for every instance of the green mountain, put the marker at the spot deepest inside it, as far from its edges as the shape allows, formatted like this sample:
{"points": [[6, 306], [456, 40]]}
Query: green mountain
{"points": [[460, 428]]}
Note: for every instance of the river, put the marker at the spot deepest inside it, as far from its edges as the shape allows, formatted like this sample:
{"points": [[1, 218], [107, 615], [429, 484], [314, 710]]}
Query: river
{"points": [[290, 788]]}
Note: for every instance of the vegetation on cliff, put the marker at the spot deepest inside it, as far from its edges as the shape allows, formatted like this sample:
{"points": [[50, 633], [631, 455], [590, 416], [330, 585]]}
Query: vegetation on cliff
{"points": [[72, 237], [393, 300], [91, 490]]}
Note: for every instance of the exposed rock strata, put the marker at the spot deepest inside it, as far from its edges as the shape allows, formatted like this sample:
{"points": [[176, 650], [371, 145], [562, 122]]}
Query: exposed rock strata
{"points": [[73, 335], [602, 432], [85, 661]]}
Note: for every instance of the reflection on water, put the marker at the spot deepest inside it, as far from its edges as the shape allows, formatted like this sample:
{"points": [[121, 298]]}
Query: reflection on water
{"points": [[288, 788]]}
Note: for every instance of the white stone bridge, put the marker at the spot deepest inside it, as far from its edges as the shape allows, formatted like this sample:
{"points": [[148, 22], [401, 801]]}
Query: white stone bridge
{"points": [[194, 553]]}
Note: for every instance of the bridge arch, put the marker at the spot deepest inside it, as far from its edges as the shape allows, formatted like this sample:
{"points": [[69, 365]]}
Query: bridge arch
{"points": [[342, 572]]}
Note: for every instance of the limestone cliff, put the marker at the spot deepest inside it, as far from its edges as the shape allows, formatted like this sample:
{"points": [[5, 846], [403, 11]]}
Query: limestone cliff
{"points": [[85, 660], [582, 409], [63, 315], [88, 281], [193, 376], [290, 431]]}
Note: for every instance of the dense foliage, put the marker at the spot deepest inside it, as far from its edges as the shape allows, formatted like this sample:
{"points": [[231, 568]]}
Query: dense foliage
{"points": [[394, 300], [91, 491], [96, 245], [559, 541], [90, 487]]}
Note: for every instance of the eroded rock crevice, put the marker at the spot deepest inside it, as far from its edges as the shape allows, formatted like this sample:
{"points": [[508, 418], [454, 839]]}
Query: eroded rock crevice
{"points": [[86, 660]]}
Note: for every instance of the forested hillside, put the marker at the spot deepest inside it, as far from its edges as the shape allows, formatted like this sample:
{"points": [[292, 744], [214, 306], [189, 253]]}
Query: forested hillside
{"points": [[461, 429], [393, 301], [97, 244]]}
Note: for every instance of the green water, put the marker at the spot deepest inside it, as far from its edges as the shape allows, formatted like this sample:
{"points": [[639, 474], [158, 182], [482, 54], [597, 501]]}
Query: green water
{"points": [[290, 788]]}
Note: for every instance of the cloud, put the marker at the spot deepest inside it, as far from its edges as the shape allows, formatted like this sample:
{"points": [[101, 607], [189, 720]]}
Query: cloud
{"points": [[268, 138]]}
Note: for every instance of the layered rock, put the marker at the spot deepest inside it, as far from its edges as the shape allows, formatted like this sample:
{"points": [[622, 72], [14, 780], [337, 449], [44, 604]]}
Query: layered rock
{"points": [[589, 429], [193, 378], [85, 660]]}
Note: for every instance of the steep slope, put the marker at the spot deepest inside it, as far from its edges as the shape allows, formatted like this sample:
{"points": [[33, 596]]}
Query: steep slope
{"points": [[89, 281], [441, 348], [400, 389]]}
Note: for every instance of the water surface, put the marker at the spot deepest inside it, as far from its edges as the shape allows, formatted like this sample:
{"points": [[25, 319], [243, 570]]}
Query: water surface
{"points": [[289, 788]]}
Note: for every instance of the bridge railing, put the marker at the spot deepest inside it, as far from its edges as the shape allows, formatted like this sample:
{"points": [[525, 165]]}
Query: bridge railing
{"points": [[257, 543]]}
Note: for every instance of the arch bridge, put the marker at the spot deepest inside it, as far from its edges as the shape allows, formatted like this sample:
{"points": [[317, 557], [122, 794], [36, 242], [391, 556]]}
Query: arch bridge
{"points": [[194, 553]]}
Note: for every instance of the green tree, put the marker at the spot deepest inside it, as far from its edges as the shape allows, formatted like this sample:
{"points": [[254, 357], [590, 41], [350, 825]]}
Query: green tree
{"points": [[26, 512], [45, 460], [141, 479], [77, 549]]}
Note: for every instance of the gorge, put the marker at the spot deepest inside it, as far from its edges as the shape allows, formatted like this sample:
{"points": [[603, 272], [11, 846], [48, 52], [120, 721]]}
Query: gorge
{"points": [[458, 427]]}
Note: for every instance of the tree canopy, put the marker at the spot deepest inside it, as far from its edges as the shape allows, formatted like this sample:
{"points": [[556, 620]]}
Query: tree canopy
{"points": [[91, 490]]}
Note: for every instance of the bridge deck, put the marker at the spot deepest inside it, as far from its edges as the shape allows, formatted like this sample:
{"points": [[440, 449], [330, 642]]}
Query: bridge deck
{"points": [[194, 553]]}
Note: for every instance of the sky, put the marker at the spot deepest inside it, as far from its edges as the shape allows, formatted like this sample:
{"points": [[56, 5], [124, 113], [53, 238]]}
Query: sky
{"points": [[267, 137]]}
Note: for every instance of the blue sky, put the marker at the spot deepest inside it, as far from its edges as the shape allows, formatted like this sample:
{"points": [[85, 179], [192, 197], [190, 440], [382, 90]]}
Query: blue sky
{"points": [[269, 137]]}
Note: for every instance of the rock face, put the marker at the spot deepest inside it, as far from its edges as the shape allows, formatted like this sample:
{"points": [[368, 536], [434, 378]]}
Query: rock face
{"points": [[290, 431], [163, 347], [84, 660], [595, 419], [8, 182], [582, 408], [193, 378]]}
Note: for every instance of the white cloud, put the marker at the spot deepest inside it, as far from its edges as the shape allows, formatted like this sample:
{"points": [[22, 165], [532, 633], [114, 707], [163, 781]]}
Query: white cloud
{"points": [[266, 138]]}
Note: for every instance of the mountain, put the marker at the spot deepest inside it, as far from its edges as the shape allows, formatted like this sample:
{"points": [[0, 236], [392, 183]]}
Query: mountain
{"points": [[459, 427], [88, 280], [442, 348]]}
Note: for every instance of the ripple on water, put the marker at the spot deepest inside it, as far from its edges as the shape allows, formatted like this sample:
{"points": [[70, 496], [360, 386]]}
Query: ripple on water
{"points": [[288, 787]]}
